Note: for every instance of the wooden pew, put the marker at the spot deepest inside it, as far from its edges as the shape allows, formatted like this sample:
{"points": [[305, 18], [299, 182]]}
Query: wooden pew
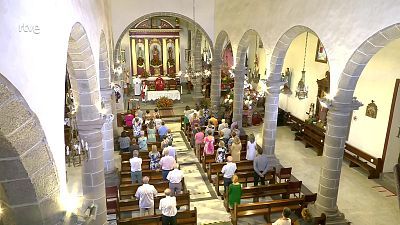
{"points": [[154, 175], [215, 168], [188, 217], [245, 176], [128, 191], [132, 205], [267, 208], [255, 192], [126, 165], [358, 158], [295, 123], [313, 136]]}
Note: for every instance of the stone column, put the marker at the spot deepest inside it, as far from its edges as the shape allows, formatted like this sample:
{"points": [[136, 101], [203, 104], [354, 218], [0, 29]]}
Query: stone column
{"points": [[238, 92], [335, 138], [270, 119], [197, 88], [93, 185], [107, 132], [216, 82]]}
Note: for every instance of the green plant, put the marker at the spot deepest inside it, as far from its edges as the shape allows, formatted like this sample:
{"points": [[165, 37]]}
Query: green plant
{"points": [[205, 103]]}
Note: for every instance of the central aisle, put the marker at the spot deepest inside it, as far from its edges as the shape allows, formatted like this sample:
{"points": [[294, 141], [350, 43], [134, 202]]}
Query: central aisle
{"points": [[210, 209]]}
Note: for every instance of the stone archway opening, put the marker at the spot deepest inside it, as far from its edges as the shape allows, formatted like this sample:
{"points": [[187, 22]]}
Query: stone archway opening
{"points": [[192, 50], [85, 89], [29, 184]]}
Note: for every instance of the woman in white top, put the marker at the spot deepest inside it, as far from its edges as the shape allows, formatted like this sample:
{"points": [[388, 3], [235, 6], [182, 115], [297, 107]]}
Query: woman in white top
{"points": [[251, 147]]}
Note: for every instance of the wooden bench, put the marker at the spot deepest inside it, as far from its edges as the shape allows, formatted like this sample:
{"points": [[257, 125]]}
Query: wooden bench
{"points": [[188, 217], [295, 123], [154, 175], [358, 158], [245, 176], [132, 205], [126, 165], [245, 165], [255, 192], [267, 208], [314, 136], [128, 191]]}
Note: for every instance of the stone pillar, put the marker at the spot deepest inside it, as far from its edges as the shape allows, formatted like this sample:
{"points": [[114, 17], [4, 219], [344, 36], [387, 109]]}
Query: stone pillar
{"points": [[216, 82], [270, 119], [198, 68], [238, 92], [107, 132], [197, 88], [335, 138], [93, 185]]}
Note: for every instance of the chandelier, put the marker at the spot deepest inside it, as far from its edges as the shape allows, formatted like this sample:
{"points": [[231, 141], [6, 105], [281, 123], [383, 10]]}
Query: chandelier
{"points": [[302, 90]]}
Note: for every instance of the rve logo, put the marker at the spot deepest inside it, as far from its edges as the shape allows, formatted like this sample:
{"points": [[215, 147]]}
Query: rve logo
{"points": [[29, 28]]}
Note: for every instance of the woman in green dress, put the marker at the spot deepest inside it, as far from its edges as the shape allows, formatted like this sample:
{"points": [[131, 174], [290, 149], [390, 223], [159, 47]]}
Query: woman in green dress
{"points": [[235, 192]]}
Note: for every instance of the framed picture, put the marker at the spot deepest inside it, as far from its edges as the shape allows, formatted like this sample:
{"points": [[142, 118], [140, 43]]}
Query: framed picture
{"points": [[320, 55]]}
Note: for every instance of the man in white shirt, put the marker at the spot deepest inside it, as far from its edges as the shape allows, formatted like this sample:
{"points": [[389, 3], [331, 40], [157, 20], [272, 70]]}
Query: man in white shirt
{"points": [[146, 194], [175, 180], [228, 170], [168, 208], [136, 167], [166, 163]]}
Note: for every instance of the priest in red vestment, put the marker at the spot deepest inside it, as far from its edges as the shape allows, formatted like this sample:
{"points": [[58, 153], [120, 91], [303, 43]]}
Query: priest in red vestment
{"points": [[160, 84]]}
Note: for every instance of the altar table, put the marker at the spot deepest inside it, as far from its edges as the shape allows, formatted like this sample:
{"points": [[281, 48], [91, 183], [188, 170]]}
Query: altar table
{"points": [[171, 94]]}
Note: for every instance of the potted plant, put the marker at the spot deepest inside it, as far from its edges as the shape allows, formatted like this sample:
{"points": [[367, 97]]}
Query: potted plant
{"points": [[164, 103]]}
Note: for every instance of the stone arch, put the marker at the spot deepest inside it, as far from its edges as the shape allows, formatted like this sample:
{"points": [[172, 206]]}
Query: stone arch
{"points": [[147, 16], [29, 183], [106, 93], [216, 68], [359, 59], [86, 91], [240, 71]]}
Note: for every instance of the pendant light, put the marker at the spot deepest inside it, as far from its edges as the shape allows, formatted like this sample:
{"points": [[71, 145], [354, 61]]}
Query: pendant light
{"points": [[302, 90]]}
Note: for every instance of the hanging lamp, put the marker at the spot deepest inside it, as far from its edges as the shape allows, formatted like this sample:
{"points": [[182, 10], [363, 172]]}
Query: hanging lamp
{"points": [[302, 90]]}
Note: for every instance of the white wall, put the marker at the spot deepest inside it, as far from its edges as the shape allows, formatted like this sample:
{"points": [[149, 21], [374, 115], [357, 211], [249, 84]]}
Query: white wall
{"points": [[124, 12], [376, 83], [341, 25], [35, 63], [314, 71]]}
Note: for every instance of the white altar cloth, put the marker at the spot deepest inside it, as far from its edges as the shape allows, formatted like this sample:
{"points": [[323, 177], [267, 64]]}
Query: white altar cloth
{"points": [[171, 94]]}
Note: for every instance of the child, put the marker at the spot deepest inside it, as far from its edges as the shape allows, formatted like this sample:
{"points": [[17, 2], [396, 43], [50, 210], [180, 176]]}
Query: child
{"points": [[284, 220]]}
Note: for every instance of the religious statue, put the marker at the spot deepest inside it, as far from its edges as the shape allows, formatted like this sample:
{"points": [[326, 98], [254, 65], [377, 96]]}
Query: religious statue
{"points": [[140, 57], [160, 84], [170, 62], [156, 58]]}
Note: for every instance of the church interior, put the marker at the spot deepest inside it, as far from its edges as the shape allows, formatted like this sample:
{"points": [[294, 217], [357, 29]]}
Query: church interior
{"points": [[300, 97]]}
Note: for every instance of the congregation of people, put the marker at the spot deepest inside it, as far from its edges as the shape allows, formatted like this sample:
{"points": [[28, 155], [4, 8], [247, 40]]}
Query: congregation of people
{"points": [[209, 137]]}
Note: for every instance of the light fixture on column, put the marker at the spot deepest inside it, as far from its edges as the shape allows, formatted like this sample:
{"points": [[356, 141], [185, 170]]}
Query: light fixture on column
{"points": [[302, 90]]}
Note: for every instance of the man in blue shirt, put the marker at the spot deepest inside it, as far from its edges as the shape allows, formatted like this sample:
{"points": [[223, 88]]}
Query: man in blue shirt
{"points": [[162, 130]]}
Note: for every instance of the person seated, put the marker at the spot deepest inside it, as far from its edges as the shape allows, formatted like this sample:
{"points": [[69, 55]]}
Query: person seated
{"points": [[142, 141], [234, 192], [284, 220], [306, 218], [124, 142], [162, 130]]}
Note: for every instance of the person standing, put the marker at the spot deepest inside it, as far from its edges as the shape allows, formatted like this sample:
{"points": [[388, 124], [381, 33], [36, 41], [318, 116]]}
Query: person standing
{"points": [[221, 152], [226, 132], [251, 148], [175, 180], [222, 125], [151, 133], [171, 149], [228, 170], [260, 167], [154, 156], [124, 142], [166, 163], [146, 194], [213, 120], [142, 141], [136, 167], [209, 144], [236, 148], [198, 137], [168, 208], [162, 130], [235, 192]]}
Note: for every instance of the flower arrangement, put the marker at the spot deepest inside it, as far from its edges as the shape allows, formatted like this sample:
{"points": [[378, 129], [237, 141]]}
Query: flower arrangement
{"points": [[164, 102], [145, 74]]}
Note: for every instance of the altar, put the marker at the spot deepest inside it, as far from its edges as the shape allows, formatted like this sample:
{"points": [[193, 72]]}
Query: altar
{"points": [[171, 94]]}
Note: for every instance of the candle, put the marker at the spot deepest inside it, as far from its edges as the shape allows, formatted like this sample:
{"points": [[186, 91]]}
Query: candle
{"points": [[79, 149], [67, 150]]}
